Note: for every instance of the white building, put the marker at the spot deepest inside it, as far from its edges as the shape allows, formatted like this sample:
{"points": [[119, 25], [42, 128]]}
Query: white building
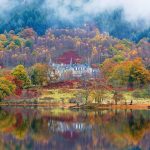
{"points": [[74, 70]]}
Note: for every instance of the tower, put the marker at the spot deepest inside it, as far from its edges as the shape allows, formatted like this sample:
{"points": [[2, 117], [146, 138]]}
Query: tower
{"points": [[70, 62], [50, 62]]}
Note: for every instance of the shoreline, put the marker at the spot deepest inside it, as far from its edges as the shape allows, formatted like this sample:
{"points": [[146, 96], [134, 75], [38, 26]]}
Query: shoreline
{"points": [[86, 106], [134, 106]]}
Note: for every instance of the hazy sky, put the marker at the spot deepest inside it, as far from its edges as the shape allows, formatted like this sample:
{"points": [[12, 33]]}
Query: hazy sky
{"points": [[72, 9], [133, 9]]}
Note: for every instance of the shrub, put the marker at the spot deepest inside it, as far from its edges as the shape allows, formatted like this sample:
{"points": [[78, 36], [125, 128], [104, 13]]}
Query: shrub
{"points": [[145, 93]]}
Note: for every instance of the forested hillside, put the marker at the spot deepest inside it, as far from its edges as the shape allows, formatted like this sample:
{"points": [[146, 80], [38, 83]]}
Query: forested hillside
{"points": [[84, 45]]}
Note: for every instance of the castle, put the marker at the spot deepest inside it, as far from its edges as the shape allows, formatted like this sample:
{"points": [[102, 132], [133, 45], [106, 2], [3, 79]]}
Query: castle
{"points": [[67, 71]]}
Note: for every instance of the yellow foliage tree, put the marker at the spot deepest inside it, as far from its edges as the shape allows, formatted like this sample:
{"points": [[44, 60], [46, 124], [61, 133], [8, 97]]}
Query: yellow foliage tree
{"points": [[6, 87], [3, 37], [130, 73]]}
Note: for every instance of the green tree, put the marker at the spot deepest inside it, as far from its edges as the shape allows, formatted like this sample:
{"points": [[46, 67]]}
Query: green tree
{"points": [[29, 43], [17, 42], [21, 74]]}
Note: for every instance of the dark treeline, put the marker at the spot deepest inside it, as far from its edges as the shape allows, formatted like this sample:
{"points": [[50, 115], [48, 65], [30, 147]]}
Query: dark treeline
{"points": [[34, 15]]}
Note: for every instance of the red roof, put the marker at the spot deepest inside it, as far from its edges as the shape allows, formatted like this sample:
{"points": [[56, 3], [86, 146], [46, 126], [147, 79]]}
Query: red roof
{"points": [[67, 56]]}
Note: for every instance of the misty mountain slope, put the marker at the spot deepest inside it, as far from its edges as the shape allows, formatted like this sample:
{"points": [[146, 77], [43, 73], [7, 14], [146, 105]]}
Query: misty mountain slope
{"points": [[44, 14]]}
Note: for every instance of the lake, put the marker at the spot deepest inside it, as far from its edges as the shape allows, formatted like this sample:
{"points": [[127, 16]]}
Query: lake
{"points": [[63, 129]]}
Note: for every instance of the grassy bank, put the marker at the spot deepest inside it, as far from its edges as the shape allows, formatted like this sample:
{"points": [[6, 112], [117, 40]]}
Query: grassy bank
{"points": [[61, 98], [59, 95]]}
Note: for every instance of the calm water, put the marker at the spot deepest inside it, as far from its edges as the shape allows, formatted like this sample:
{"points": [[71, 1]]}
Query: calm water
{"points": [[58, 129]]}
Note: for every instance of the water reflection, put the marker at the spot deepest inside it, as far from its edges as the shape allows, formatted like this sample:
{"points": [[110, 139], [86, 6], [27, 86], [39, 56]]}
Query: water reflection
{"points": [[58, 129]]}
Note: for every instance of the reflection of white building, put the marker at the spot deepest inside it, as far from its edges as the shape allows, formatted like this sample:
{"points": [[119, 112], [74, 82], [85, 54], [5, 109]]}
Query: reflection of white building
{"points": [[74, 70], [64, 126]]}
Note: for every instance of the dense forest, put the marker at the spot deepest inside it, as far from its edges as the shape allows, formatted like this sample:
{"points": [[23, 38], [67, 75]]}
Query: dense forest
{"points": [[87, 45]]}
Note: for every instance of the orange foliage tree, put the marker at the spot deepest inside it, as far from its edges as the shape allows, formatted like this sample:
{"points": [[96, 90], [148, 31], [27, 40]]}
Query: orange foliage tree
{"points": [[127, 73]]}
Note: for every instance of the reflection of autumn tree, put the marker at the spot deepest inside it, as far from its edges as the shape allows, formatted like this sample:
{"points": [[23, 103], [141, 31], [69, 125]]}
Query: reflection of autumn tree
{"points": [[6, 122], [6, 88], [40, 130], [127, 128], [104, 129], [13, 124], [114, 127], [36, 125], [136, 124], [21, 131]]}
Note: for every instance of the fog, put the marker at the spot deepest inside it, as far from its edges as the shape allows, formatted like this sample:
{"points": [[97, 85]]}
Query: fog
{"points": [[70, 10], [134, 10]]}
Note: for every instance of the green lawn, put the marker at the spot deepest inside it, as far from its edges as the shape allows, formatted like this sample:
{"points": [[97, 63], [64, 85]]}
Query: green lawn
{"points": [[59, 95]]}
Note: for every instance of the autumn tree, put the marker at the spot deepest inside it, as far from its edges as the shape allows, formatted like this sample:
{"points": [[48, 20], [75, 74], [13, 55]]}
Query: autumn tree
{"points": [[94, 52], [8, 75], [3, 37], [39, 74], [98, 95], [27, 33], [107, 67], [138, 74], [119, 75], [6, 88], [99, 90], [21, 74], [127, 73], [42, 74]]}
